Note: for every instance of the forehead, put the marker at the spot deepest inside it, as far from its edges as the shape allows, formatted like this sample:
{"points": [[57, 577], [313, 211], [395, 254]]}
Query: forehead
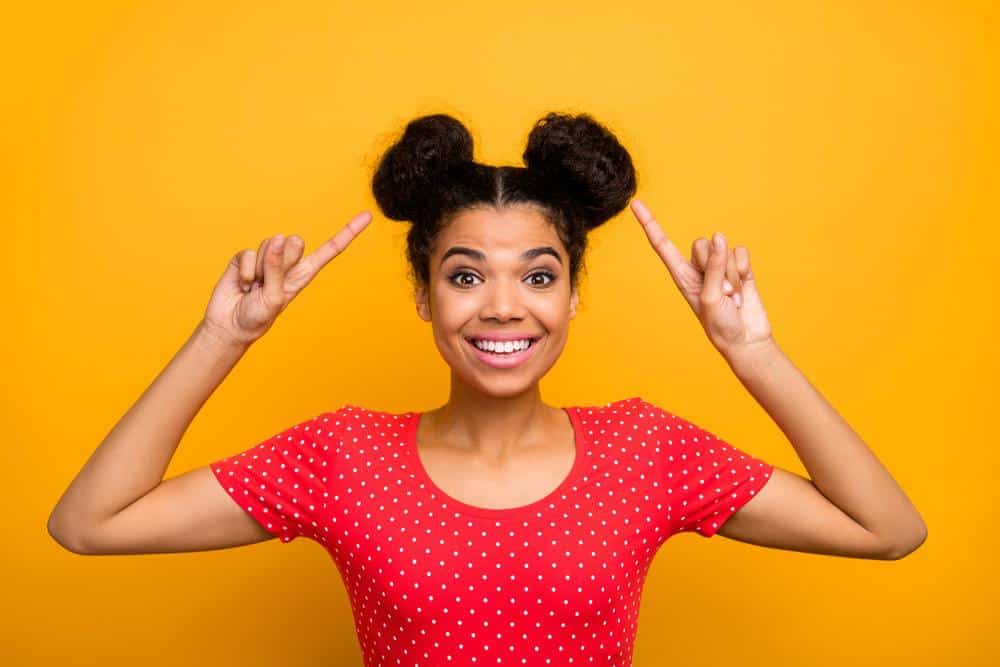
{"points": [[507, 230]]}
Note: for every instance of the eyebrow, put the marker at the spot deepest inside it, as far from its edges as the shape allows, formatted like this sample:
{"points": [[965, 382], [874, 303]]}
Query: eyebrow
{"points": [[526, 256]]}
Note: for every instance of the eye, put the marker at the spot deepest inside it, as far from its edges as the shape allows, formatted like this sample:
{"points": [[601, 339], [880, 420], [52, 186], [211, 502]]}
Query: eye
{"points": [[547, 274], [452, 277], [460, 283]]}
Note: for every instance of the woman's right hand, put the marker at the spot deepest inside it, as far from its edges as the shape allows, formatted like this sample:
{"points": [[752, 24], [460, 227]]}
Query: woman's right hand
{"points": [[256, 286]]}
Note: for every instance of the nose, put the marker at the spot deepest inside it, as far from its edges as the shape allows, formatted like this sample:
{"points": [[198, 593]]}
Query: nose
{"points": [[502, 301]]}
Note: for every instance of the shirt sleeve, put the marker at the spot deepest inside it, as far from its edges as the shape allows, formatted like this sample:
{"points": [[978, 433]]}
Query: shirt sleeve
{"points": [[282, 482], [707, 478]]}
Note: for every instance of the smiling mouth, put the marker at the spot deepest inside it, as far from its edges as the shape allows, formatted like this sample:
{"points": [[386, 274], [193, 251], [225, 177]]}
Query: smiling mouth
{"points": [[499, 351]]}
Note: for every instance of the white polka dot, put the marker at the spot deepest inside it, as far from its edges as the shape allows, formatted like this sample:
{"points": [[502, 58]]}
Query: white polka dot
{"points": [[433, 581]]}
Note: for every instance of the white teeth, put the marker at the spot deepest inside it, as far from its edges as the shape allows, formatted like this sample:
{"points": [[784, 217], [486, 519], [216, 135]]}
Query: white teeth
{"points": [[506, 347]]}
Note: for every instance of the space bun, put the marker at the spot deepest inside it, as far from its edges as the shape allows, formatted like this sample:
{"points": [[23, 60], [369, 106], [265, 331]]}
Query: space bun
{"points": [[413, 174], [576, 174], [584, 165]]}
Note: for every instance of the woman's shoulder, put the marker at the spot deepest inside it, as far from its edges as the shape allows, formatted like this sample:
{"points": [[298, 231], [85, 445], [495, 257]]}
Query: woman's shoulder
{"points": [[356, 411], [621, 403], [633, 406], [351, 420], [625, 418]]}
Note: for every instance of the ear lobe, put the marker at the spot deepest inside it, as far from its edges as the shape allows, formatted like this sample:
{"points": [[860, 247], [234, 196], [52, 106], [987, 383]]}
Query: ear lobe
{"points": [[423, 307], [574, 301]]}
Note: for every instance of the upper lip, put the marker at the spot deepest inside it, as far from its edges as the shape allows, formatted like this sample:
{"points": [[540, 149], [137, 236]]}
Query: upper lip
{"points": [[504, 335]]}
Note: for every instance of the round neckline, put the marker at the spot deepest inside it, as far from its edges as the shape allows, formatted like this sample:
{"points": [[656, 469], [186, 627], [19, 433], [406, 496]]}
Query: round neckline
{"points": [[410, 442]]}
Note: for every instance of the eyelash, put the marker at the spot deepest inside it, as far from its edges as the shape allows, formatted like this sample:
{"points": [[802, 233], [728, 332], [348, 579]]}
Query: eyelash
{"points": [[551, 276]]}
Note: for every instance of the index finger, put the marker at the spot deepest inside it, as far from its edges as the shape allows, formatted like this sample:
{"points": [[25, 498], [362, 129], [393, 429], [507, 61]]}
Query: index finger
{"points": [[322, 255], [664, 247], [685, 275]]}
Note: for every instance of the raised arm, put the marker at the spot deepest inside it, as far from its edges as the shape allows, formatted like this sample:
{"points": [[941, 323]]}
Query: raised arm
{"points": [[119, 501], [851, 506]]}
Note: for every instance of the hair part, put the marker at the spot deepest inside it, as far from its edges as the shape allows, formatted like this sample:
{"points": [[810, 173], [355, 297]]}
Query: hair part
{"points": [[576, 174]]}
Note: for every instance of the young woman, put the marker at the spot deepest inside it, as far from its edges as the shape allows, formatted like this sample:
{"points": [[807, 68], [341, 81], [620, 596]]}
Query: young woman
{"points": [[494, 528]]}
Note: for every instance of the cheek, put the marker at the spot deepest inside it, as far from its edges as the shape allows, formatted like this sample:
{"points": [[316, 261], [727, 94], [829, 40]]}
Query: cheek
{"points": [[552, 313], [451, 311], [450, 315]]}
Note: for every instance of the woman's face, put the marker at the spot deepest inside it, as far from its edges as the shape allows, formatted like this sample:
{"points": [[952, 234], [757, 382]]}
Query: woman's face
{"points": [[497, 274]]}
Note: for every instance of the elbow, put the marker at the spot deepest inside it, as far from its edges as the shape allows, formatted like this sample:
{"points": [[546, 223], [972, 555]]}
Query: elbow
{"points": [[63, 537], [908, 547]]}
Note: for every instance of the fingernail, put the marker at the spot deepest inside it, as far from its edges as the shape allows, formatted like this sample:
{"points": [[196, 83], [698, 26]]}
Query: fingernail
{"points": [[727, 284], [738, 299], [717, 239]]}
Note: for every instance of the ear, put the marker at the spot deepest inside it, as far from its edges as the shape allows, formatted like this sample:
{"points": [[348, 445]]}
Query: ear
{"points": [[574, 301], [422, 299]]}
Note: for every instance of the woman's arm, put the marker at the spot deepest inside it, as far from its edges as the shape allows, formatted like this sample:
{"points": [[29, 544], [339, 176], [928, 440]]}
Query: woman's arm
{"points": [[852, 506], [840, 464], [133, 458], [119, 503]]}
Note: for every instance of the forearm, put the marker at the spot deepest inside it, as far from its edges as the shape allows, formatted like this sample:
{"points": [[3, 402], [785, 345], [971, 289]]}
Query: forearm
{"points": [[134, 456], [839, 462]]}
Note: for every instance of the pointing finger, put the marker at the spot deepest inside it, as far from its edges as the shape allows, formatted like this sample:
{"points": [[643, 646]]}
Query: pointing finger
{"points": [[322, 255], [664, 247]]}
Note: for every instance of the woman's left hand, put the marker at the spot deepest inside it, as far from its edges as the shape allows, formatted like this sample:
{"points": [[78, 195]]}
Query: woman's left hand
{"points": [[717, 283]]}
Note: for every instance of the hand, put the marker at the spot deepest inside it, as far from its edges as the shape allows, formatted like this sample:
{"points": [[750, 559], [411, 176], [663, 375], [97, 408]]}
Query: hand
{"points": [[256, 286], [717, 283]]}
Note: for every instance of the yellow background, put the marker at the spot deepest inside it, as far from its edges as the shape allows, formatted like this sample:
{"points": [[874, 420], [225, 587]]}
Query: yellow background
{"points": [[850, 146]]}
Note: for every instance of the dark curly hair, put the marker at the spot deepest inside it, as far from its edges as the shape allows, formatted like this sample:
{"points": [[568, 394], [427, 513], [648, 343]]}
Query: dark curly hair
{"points": [[576, 173]]}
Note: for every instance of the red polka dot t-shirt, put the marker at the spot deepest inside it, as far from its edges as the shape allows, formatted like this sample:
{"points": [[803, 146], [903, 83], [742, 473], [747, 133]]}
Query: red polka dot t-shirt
{"points": [[435, 581]]}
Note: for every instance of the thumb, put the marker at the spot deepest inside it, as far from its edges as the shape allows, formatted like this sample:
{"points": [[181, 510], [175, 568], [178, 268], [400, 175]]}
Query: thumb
{"points": [[230, 278], [751, 298], [274, 274], [715, 272]]}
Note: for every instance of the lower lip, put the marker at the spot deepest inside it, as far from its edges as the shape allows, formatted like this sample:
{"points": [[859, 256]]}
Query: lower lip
{"points": [[506, 361]]}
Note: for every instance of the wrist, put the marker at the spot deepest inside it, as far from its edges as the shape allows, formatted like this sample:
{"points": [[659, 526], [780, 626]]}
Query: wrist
{"points": [[211, 336], [752, 359]]}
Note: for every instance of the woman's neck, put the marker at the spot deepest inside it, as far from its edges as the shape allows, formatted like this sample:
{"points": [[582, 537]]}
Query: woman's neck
{"points": [[490, 426]]}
